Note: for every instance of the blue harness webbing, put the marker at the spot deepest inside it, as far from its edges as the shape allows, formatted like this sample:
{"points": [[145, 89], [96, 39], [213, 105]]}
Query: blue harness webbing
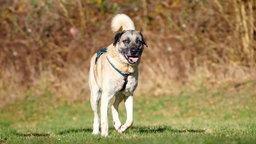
{"points": [[99, 53], [104, 50]]}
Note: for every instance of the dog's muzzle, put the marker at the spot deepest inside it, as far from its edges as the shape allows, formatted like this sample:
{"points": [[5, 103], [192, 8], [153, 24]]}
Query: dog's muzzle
{"points": [[133, 55]]}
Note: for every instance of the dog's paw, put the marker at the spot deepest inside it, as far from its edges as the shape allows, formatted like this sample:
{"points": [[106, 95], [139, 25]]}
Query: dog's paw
{"points": [[104, 134], [122, 128], [96, 132], [117, 125]]}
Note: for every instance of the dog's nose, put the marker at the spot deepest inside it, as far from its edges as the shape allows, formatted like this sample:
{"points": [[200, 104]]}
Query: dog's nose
{"points": [[134, 50]]}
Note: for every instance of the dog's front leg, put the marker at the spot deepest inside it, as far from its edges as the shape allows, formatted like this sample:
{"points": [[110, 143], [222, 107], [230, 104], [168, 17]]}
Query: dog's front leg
{"points": [[116, 120], [129, 111], [105, 100]]}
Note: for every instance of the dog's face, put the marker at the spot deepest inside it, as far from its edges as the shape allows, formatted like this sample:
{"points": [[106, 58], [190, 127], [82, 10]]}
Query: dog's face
{"points": [[130, 45]]}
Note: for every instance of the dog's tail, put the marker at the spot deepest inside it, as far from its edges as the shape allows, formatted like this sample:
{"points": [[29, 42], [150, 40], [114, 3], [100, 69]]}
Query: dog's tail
{"points": [[122, 21]]}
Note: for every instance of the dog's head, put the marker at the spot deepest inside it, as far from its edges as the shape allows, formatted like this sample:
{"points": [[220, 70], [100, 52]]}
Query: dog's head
{"points": [[130, 45]]}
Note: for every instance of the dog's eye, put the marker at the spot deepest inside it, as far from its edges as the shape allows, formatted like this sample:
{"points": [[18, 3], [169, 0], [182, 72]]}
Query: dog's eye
{"points": [[126, 41], [138, 41]]}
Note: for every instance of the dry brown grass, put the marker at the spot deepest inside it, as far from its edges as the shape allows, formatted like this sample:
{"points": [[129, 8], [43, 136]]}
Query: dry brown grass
{"points": [[46, 45]]}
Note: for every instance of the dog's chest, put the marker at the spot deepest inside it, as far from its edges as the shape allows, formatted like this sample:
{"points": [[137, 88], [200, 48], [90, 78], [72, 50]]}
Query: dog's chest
{"points": [[129, 86]]}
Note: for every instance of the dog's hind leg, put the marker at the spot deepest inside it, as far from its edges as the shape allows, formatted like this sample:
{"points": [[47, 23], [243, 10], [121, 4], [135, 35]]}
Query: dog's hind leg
{"points": [[95, 97], [116, 120]]}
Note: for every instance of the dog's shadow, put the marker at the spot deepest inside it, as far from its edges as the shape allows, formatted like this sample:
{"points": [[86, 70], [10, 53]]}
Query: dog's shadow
{"points": [[140, 130], [135, 129], [86, 130], [162, 129]]}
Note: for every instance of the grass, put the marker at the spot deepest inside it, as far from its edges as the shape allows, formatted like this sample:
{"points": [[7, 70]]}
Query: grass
{"points": [[204, 115]]}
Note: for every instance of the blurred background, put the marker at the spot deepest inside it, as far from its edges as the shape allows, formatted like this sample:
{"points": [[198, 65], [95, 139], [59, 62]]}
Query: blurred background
{"points": [[45, 46]]}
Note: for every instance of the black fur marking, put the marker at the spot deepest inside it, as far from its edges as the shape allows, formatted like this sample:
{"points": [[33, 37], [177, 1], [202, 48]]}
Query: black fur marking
{"points": [[117, 37], [143, 40]]}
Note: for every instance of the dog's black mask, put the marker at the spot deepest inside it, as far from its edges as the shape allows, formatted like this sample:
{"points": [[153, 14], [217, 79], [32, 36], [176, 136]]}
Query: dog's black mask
{"points": [[131, 44]]}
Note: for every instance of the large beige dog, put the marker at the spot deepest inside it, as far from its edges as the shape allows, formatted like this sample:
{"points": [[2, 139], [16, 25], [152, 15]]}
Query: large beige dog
{"points": [[114, 73]]}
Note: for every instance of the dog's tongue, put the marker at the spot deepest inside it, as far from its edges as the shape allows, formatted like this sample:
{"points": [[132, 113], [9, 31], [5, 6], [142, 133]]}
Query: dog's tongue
{"points": [[133, 59]]}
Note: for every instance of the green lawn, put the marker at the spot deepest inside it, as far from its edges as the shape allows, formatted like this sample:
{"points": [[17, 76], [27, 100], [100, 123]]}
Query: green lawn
{"points": [[220, 115]]}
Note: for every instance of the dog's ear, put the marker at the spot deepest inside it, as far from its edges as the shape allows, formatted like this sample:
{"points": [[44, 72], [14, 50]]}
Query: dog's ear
{"points": [[117, 38], [143, 40]]}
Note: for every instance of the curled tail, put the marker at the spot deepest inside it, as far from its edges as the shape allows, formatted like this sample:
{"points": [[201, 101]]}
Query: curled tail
{"points": [[123, 22]]}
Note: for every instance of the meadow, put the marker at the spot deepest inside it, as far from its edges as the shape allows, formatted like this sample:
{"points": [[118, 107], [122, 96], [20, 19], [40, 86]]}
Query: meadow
{"points": [[203, 115]]}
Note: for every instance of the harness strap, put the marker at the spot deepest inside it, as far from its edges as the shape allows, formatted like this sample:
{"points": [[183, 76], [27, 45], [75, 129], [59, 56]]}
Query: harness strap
{"points": [[124, 75], [104, 50], [99, 53]]}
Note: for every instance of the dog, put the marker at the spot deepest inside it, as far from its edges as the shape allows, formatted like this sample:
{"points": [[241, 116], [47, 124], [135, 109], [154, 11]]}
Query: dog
{"points": [[114, 73]]}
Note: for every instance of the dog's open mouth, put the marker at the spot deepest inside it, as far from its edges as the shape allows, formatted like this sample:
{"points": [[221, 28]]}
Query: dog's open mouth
{"points": [[131, 59]]}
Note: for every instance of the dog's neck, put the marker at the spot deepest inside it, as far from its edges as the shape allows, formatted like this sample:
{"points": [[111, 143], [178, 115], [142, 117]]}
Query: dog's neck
{"points": [[121, 66]]}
